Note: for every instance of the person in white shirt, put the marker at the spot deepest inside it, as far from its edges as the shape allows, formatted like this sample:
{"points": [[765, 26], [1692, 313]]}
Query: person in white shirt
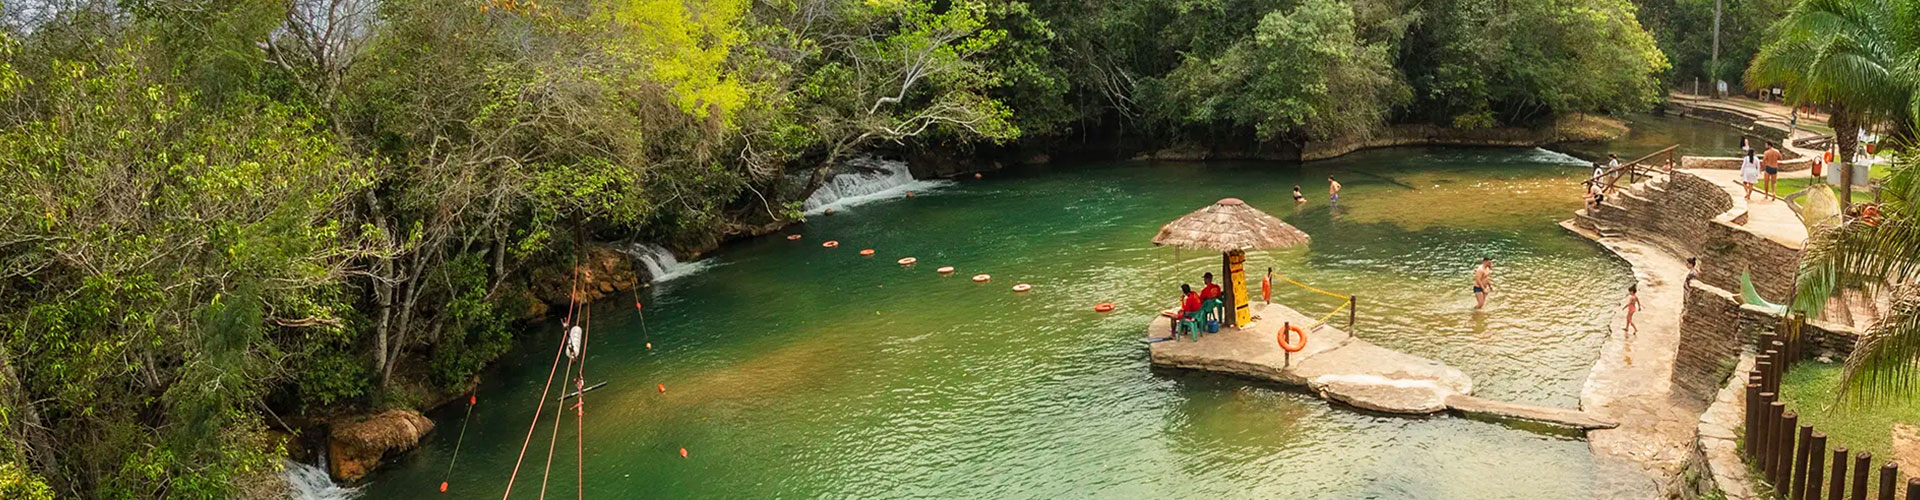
{"points": [[1749, 173]]}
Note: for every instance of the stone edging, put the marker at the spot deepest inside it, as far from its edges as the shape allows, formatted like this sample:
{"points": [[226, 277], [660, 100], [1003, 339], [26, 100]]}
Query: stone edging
{"points": [[1716, 464]]}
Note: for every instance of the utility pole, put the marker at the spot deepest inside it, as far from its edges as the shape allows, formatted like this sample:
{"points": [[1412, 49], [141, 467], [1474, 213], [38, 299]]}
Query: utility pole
{"points": [[1713, 65]]}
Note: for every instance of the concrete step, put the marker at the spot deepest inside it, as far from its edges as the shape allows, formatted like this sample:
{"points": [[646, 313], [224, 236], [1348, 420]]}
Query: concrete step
{"points": [[1573, 419]]}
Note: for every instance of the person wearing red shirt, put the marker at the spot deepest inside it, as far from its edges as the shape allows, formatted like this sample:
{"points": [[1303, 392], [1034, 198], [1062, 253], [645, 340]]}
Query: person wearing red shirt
{"points": [[1211, 291], [1190, 303]]}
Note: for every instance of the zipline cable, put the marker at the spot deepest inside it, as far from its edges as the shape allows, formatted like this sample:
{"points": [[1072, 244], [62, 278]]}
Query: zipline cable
{"points": [[543, 391]]}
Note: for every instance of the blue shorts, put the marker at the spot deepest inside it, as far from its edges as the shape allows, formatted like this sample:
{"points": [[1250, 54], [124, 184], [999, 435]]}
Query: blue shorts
{"points": [[1334, 197], [1478, 290]]}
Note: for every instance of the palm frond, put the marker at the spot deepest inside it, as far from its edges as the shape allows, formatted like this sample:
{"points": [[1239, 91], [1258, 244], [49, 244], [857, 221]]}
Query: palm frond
{"points": [[1885, 364], [1855, 254]]}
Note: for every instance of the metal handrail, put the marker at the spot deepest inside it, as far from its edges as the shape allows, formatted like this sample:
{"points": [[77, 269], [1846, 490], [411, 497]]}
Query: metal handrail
{"points": [[1635, 169]]}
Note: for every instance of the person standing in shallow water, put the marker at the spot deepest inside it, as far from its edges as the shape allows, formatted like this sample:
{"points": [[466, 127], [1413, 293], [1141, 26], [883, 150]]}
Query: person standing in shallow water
{"points": [[1482, 282], [1333, 190], [1298, 198]]}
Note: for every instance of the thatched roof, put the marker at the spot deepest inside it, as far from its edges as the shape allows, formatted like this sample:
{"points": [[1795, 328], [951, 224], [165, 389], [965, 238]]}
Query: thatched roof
{"points": [[1229, 225]]}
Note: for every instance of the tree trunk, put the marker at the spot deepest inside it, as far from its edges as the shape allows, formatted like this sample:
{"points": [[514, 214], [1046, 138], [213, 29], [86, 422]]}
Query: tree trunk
{"points": [[1846, 136], [382, 291]]}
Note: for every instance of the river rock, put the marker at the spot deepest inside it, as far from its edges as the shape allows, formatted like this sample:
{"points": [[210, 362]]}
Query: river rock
{"points": [[356, 447], [1906, 446], [602, 272]]}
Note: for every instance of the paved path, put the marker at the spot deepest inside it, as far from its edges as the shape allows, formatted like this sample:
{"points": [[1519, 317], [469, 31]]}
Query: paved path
{"points": [[1767, 217], [1632, 381]]}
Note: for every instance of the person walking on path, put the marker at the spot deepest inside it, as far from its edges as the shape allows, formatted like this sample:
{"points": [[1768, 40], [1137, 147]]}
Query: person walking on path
{"points": [[1633, 306], [1749, 173], [1482, 282], [1333, 190], [1770, 162]]}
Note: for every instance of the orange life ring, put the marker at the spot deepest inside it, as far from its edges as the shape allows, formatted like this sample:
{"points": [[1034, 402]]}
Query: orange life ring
{"points": [[830, 244], [1282, 338], [866, 253], [908, 261], [981, 278], [944, 270], [793, 237], [1103, 307], [1022, 287]]}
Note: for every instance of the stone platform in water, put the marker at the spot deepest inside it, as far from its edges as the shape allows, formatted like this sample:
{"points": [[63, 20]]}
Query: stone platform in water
{"points": [[1340, 367]]}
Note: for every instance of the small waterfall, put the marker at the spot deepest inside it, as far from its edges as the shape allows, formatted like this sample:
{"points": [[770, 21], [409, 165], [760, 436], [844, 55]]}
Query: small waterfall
{"points": [[1544, 155], [870, 179], [660, 263], [310, 482]]}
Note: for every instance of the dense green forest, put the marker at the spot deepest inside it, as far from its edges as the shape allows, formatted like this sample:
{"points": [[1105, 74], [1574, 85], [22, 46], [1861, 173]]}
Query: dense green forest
{"points": [[221, 215]]}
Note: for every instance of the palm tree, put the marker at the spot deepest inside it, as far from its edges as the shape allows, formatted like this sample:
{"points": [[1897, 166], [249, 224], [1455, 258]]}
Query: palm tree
{"points": [[1859, 58], [1883, 254]]}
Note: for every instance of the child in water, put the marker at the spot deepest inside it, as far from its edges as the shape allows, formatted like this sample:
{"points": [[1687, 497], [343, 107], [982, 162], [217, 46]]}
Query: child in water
{"points": [[1633, 305]]}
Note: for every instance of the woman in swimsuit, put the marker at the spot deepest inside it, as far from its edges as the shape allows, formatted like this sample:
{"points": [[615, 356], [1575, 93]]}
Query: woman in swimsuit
{"points": [[1297, 197], [1633, 306]]}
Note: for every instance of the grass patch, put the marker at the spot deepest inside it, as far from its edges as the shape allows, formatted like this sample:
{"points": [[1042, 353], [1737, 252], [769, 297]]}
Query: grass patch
{"points": [[1810, 390]]}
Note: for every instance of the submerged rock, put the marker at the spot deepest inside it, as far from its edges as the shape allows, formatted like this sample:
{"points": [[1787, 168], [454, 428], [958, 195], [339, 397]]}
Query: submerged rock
{"points": [[355, 448]]}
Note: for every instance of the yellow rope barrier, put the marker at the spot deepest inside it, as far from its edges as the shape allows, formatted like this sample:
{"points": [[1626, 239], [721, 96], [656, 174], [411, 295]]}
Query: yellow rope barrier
{"points": [[1336, 310], [1303, 285]]}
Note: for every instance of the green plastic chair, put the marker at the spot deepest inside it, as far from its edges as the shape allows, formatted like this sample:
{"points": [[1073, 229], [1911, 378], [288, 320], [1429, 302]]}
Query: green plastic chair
{"points": [[1214, 310], [1190, 324]]}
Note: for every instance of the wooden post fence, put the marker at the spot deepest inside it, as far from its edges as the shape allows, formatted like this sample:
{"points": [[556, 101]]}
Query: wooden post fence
{"points": [[1838, 486], [1792, 456]]}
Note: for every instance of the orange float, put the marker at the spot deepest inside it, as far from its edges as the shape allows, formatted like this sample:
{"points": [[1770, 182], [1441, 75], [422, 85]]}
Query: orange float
{"points": [[443, 486], [1282, 337], [830, 244], [908, 261], [866, 253], [663, 388], [944, 270], [1103, 307], [1022, 287], [683, 453], [793, 237], [981, 278]]}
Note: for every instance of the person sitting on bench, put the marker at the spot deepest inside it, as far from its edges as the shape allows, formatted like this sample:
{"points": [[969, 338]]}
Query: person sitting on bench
{"points": [[1210, 300]]}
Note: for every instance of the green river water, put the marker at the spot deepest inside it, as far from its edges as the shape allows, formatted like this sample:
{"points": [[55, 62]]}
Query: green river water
{"points": [[794, 371]]}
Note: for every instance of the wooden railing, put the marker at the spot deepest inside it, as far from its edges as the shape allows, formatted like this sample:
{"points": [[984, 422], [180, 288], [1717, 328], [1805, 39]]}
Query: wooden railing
{"points": [[1636, 170], [1792, 457]]}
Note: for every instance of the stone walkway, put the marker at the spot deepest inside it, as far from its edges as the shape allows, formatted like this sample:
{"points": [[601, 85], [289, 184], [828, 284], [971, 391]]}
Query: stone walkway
{"points": [[1632, 382], [1767, 217]]}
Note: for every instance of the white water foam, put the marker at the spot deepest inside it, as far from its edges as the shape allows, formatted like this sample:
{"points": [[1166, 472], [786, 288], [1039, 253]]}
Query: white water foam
{"points": [[874, 180], [310, 482], [660, 263], [1544, 155]]}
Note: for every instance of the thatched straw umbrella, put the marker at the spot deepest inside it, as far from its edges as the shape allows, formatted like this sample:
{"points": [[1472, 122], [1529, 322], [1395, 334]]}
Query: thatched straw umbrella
{"points": [[1232, 227]]}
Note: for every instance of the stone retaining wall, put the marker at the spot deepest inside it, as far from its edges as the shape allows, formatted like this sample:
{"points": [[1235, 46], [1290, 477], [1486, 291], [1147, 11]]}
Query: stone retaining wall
{"points": [[1691, 216], [1717, 327]]}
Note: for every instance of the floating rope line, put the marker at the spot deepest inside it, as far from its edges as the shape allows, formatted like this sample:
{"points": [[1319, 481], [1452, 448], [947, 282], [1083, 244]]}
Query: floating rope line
{"points": [[1303, 285], [471, 401]]}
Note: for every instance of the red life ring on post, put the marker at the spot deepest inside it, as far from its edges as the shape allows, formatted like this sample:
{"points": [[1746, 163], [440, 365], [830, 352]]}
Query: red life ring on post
{"points": [[1282, 338]]}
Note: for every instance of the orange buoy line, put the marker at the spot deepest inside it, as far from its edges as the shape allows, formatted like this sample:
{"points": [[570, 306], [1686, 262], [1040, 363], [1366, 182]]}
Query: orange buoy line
{"points": [[944, 270], [908, 261], [981, 278], [1022, 287], [866, 253], [1103, 307], [472, 400], [793, 237], [830, 244]]}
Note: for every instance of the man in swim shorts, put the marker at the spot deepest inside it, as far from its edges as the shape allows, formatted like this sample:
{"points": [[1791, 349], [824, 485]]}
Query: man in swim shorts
{"points": [[1770, 165], [1333, 190], [1482, 282]]}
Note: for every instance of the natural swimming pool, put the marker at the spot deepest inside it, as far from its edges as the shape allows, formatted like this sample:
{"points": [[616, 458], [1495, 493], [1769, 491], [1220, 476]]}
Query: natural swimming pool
{"points": [[797, 371]]}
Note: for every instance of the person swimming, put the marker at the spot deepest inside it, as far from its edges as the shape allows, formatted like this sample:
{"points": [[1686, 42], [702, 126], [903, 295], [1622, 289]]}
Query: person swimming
{"points": [[1297, 197], [1333, 190]]}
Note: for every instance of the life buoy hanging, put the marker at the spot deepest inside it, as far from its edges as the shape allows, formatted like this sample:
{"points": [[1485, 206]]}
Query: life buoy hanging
{"points": [[1282, 338]]}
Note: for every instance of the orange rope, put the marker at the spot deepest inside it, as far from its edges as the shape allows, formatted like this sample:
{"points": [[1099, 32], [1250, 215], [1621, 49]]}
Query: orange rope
{"points": [[580, 415], [552, 441], [549, 386]]}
